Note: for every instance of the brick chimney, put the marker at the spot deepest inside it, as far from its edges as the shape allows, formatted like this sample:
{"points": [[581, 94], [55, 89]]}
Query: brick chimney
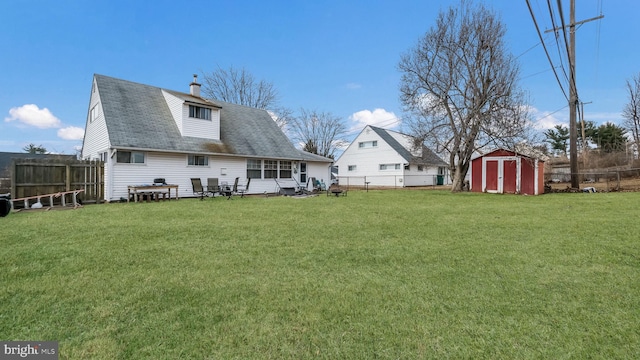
{"points": [[194, 87]]}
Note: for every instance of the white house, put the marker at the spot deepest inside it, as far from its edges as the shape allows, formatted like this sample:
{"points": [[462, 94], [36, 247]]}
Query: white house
{"points": [[143, 132], [382, 157]]}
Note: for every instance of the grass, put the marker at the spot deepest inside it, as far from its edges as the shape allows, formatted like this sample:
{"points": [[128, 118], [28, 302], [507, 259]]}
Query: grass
{"points": [[385, 274]]}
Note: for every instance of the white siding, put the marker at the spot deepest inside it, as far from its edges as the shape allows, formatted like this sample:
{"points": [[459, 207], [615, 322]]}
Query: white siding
{"points": [[208, 129], [96, 137], [320, 171], [174, 168], [427, 177], [368, 160]]}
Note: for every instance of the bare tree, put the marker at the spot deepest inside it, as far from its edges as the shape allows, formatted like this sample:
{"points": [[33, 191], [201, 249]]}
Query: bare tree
{"points": [[239, 87], [631, 112], [320, 132], [459, 87], [282, 116]]}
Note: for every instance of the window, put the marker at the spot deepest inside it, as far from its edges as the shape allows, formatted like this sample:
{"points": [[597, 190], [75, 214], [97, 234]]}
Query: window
{"points": [[94, 113], [303, 172], [199, 112], [420, 167], [197, 160], [441, 170], [406, 167], [351, 168], [285, 169], [389, 167], [270, 169], [130, 157], [368, 144], [254, 169]]}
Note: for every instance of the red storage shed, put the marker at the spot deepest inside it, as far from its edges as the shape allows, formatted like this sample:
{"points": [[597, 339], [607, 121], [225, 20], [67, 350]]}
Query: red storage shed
{"points": [[504, 171]]}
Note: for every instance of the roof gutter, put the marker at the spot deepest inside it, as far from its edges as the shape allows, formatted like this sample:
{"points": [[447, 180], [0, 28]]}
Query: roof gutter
{"points": [[127, 148]]}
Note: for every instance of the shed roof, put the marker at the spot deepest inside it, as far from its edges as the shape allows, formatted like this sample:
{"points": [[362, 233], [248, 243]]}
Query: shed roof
{"points": [[507, 152]]}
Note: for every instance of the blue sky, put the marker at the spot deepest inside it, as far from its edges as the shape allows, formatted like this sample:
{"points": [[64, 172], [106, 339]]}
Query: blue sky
{"points": [[332, 56]]}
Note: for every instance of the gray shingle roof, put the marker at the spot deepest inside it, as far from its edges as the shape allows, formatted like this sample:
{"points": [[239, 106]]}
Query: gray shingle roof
{"points": [[428, 157], [138, 116]]}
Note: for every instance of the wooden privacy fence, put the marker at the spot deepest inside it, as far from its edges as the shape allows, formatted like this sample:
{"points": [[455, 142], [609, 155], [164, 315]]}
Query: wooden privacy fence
{"points": [[34, 177]]}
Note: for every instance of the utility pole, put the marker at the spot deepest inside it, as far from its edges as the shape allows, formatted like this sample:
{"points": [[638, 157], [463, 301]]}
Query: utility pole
{"points": [[573, 99], [573, 92]]}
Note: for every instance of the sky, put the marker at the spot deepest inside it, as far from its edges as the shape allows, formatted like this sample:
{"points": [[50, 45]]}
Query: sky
{"points": [[332, 56]]}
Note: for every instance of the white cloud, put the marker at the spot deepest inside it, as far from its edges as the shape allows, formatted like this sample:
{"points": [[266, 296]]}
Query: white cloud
{"points": [[603, 117], [353, 86], [544, 120], [71, 133], [377, 117], [32, 115]]}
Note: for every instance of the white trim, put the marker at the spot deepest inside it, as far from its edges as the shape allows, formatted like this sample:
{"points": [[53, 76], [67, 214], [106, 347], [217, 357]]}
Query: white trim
{"points": [[500, 181], [535, 180]]}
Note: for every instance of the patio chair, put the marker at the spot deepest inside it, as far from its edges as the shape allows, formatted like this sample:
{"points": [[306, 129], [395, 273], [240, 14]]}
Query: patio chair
{"points": [[212, 186], [320, 185], [237, 189], [240, 189], [315, 184], [198, 190]]}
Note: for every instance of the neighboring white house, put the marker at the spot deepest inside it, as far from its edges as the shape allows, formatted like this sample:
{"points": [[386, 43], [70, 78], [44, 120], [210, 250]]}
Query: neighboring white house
{"points": [[383, 157], [143, 132]]}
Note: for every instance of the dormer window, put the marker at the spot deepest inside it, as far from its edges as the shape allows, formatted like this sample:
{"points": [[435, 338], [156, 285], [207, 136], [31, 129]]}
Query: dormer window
{"points": [[199, 112], [368, 144]]}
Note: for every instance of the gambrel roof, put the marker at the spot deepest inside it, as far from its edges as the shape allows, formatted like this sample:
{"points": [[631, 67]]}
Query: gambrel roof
{"points": [[427, 157], [137, 116]]}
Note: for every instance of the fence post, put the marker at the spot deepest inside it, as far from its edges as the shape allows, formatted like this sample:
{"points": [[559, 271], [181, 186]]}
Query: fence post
{"points": [[14, 167], [67, 184]]}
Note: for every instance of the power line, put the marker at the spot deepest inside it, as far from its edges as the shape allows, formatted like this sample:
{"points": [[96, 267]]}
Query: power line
{"points": [[553, 24], [546, 116], [538, 73], [572, 78], [535, 22], [529, 49], [573, 102], [599, 29]]}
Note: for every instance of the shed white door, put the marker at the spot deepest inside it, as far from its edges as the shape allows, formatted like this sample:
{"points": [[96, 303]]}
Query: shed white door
{"points": [[501, 175], [492, 176]]}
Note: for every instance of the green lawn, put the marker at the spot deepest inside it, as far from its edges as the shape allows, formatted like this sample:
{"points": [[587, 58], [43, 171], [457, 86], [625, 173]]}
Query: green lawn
{"points": [[391, 274]]}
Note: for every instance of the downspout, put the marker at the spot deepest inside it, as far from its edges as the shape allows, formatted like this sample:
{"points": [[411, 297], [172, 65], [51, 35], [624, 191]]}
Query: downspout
{"points": [[109, 181]]}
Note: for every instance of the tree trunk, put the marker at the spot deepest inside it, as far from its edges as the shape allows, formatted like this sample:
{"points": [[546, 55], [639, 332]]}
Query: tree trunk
{"points": [[458, 180]]}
